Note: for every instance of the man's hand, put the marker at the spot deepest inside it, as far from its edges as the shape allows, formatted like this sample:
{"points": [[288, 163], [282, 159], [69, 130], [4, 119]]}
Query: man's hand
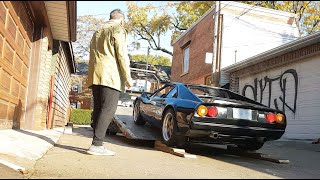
{"points": [[128, 85]]}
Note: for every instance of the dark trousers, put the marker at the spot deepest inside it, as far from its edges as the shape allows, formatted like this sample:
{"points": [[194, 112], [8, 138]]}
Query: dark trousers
{"points": [[105, 101]]}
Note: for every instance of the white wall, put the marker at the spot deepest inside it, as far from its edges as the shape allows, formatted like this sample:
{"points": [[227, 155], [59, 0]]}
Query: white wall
{"points": [[304, 122], [253, 34]]}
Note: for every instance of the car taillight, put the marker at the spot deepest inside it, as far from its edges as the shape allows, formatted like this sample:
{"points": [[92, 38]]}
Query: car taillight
{"points": [[212, 112], [271, 117], [202, 110], [280, 118]]}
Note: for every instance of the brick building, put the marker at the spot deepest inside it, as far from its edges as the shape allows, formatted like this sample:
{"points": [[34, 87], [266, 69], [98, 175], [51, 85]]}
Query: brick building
{"points": [[36, 60], [80, 95], [286, 78], [245, 31]]}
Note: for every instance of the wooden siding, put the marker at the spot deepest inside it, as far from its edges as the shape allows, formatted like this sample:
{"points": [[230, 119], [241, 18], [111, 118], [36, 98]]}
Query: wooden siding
{"points": [[61, 88]]}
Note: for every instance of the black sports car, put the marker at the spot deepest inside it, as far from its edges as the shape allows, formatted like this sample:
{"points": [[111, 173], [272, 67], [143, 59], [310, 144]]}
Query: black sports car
{"points": [[198, 113]]}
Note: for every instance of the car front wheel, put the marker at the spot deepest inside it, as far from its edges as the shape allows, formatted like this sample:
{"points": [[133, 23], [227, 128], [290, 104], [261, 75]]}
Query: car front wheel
{"points": [[137, 118]]}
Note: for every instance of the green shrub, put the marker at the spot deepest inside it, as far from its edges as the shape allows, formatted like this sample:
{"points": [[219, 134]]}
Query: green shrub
{"points": [[81, 116]]}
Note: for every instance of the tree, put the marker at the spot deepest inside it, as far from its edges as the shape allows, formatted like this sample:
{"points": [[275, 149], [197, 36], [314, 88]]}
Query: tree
{"points": [[150, 28], [159, 60], [86, 26]]}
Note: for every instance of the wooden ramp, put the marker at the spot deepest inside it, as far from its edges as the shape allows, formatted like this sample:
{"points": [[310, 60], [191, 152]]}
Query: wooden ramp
{"points": [[255, 155], [123, 121]]}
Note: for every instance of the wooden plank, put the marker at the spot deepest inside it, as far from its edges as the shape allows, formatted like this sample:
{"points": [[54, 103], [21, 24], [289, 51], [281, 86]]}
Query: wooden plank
{"points": [[236, 151], [158, 145]]}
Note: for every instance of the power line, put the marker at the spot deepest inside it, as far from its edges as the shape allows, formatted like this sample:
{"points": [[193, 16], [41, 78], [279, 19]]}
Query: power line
{"points": [[262, 29], [266, 42], [241, 14]]}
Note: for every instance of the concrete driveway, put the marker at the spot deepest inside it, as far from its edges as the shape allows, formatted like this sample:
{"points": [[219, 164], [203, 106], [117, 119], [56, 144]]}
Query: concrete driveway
{"points": [[138, 159]]}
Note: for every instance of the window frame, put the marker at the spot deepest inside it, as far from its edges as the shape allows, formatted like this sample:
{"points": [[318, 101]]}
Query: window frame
{"points": [[184, 59]]}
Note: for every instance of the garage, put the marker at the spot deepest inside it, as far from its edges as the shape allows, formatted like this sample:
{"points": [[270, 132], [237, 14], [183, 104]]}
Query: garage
{"points": [[15, 43], [285, 78]]}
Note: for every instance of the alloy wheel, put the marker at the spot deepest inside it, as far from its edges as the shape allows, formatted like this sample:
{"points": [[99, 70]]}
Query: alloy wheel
{"points": [[167, 127]]}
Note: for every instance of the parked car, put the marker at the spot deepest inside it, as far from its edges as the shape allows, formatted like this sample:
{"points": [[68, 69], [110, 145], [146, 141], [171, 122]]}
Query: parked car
{"points": [[198, 113]]}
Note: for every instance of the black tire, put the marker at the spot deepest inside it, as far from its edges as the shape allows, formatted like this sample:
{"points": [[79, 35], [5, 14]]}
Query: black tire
{"points": [[251, 146], [169, 130], [111, 132], [112, 129], [137, 118]]}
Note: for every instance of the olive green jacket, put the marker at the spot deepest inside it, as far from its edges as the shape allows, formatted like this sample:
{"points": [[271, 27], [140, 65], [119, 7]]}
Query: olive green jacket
{"points": [[109, 64]]}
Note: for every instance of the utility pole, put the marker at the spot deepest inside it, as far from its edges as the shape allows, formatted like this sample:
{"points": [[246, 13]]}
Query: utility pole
{"points": [[215, 41], [145, 85], [219, 47]]}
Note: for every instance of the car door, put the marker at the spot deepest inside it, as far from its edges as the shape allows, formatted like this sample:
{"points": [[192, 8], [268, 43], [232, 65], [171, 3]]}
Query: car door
{"points": [[147, 105], [158, 102]]}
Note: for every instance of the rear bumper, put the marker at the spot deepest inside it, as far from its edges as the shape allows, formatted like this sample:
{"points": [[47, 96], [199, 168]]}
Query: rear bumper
{"points": [[232, 131], [236, 130]]}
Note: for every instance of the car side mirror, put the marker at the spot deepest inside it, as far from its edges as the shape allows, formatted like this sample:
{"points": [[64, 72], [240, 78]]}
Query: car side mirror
{"points": [[145, 95]]}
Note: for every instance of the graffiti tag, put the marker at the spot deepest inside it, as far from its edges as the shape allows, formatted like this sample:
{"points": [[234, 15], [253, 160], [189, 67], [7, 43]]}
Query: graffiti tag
{"points": [[267, 82]]}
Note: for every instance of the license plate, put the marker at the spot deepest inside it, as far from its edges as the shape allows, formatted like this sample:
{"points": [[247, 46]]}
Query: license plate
{"points": [[239, 113]]}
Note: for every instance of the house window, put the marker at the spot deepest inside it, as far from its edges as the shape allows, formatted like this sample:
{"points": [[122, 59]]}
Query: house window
{"points": [[186, 60]]}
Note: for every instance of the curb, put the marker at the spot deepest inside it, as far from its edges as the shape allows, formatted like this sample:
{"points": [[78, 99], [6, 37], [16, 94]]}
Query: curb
{"points": [[14, 166]]}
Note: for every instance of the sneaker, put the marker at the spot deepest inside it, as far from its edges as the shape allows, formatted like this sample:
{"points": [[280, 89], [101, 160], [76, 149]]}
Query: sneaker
{"points": [[100, 150]]}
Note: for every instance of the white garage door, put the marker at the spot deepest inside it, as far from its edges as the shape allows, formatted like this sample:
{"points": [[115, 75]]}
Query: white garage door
{"points": [[294, 88]]}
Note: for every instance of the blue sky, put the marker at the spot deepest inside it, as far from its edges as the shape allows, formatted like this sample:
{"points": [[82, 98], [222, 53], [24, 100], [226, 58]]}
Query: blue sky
{"points": [[103, 8]]}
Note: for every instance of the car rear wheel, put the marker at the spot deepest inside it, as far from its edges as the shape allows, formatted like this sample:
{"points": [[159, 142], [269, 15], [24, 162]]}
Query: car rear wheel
{"points": [[137, 118], [251, 146], [169, 129]]}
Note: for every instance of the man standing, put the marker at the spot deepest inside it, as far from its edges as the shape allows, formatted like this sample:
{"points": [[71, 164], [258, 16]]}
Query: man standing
{"points": [[108, 74]]}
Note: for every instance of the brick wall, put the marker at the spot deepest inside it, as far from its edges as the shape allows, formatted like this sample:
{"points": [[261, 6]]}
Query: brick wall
{"points": [[201, 41], [43, 85]]}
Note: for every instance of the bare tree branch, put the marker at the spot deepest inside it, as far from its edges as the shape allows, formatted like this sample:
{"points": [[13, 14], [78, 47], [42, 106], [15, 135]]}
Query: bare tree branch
{"points": [[315, 24], [145, 29], [176, 24]]}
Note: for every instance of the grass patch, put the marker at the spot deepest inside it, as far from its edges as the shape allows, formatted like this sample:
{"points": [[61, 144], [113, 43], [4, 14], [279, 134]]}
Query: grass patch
{"points": [[81, 116]]}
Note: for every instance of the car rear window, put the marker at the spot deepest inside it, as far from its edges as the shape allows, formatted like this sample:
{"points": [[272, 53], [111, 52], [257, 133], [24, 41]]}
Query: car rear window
{"points": [[204, 91]]}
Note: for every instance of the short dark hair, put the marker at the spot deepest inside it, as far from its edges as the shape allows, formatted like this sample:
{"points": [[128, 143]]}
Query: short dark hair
{"points": [[116, 14]]}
